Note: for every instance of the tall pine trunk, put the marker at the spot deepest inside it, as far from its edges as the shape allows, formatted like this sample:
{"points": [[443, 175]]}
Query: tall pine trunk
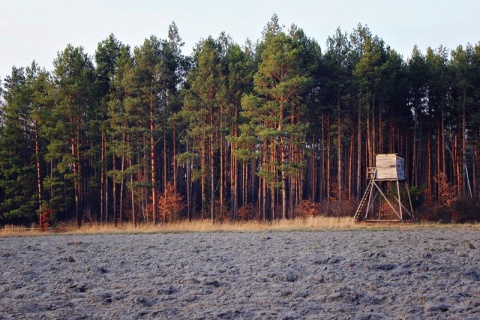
{"points": [[463, 182], [153, 178], [38, 165], [329, 159], [103, 175], [359, 151], [339, 154]]}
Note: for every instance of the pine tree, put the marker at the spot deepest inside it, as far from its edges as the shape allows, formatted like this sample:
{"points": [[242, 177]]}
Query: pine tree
{"points": [[74, 107], [278, 86], [21, 146], [338, 89], [463, 82], [126, 124], [106, 58], [238, 72], [202, 108], [17, 172]]}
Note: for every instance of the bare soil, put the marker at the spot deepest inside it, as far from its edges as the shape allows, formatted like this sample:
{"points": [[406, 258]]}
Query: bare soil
{"points": [[360, 274]]}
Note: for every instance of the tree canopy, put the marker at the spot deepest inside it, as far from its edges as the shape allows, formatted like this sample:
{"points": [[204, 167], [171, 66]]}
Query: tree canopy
{"points": [[261, 129]]}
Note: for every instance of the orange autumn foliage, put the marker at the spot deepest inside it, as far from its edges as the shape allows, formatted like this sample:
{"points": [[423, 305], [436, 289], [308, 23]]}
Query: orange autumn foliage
{"points": [[170, 204]]}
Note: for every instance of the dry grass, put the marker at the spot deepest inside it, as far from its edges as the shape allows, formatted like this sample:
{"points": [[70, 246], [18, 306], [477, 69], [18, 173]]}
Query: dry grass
{"points": [[13, 230], [316, 223], [308, 224]]}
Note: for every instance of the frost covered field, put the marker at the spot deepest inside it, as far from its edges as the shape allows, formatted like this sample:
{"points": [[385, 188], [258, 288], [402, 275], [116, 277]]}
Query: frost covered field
{"points": [[361, 274]]}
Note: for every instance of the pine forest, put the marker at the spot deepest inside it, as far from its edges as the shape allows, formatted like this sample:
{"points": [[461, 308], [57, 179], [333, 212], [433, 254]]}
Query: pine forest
{"points": [[276, 129]]}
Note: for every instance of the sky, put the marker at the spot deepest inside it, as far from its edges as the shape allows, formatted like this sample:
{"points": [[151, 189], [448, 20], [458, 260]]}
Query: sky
{"points": [[39, 29]]}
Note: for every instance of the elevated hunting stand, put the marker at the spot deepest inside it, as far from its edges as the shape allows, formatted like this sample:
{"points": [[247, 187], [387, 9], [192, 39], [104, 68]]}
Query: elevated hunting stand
{"points": [[388, 170]]}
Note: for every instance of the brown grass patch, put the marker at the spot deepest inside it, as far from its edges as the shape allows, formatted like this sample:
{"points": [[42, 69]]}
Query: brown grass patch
{"points": [[298, 224]]}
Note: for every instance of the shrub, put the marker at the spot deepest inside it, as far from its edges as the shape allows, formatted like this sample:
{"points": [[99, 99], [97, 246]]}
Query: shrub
{"points": [[465, 210], [44, 218], [434, 214], [306, 209], [417, 195], [247, 212], [224, 214], [335, 208], [170, 204], [446, 191]]}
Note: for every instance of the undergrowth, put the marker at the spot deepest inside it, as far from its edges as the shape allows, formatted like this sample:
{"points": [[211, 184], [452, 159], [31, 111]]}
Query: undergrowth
{"points": [[298, 224]]}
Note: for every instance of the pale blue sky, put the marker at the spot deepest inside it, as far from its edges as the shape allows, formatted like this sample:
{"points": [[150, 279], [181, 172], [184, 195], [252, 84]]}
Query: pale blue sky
{"points": [[38, 29]]}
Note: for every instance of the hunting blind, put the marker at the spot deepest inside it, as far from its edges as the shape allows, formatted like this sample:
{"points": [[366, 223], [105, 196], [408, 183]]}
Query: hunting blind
{"points": [[382, 200], [389, 167]]}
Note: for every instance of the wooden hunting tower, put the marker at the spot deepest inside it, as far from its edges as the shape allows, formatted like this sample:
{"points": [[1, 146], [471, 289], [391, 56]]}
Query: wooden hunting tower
{"points": [[389, 170]]}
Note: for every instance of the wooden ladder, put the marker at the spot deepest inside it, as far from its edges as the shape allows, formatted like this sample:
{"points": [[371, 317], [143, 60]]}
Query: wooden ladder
{"points": [[364, 200]]}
